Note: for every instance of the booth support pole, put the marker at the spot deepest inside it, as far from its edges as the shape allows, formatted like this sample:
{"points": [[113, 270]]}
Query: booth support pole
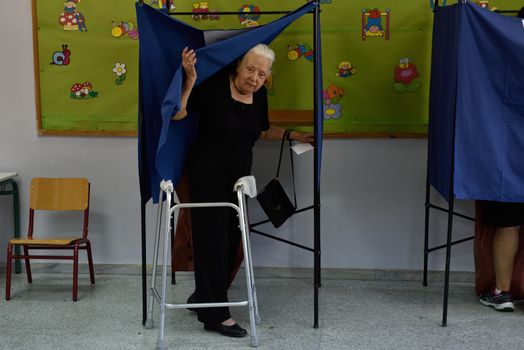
{"points": [[448, 258], [426, 236], [426, 222], [316, 186], [451, 202], [144, 277]]}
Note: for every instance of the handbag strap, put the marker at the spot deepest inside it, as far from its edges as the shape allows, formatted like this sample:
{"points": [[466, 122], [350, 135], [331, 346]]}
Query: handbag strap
{"points": [[284, 137], [293, 175]]}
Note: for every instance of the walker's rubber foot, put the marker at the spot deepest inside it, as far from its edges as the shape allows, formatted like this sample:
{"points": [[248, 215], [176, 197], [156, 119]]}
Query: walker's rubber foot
{"points": [[161, 345], [254, 342], [150, 324]]}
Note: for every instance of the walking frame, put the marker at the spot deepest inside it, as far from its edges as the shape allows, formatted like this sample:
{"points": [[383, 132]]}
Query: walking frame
{"points": [[245, 186]]}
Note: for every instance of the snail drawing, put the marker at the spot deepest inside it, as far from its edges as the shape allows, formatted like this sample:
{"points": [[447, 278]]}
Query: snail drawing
{"points": [[61, 58]]}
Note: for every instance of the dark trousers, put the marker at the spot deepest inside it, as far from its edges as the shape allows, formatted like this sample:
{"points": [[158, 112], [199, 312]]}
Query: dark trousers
{"points": [[216, 238]]}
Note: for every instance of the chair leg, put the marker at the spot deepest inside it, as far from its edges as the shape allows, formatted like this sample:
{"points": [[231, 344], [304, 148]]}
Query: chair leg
{"points": [[8, 271], [75, 271], [27, 265], [90, 261]]}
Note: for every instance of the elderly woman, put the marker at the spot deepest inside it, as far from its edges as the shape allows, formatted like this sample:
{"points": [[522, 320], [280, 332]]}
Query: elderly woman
{"points": [[233, 111]]}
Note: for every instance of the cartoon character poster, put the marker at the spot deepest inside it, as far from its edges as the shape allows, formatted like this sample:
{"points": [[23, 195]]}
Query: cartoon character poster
{"points": [[376, 53], [71, 18], [372, 23]]}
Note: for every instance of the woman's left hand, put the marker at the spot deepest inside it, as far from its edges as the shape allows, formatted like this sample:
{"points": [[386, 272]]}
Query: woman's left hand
{"points": [[302, 137]]}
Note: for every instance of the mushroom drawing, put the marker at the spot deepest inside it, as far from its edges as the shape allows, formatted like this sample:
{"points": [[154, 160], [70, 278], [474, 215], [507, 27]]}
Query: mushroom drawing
{"points": [[83, 91]]}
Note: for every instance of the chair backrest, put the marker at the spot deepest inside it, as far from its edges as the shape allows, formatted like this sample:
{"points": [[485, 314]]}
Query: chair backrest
{"points": [[59, 194]]}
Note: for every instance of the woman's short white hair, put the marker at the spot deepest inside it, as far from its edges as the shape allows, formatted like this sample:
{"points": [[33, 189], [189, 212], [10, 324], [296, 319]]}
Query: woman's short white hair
{"points": [[265, 51]]}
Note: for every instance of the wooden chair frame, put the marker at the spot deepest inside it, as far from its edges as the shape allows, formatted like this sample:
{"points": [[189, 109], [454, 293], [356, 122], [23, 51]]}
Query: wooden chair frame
{"points": [[54, 194]]}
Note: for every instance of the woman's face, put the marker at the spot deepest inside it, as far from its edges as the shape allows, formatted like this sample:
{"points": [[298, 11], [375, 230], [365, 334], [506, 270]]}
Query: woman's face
{"points": [[252, 72]]}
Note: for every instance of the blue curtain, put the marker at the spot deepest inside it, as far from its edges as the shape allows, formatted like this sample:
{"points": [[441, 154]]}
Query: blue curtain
{"points": [[484, 111], [163, 143]]}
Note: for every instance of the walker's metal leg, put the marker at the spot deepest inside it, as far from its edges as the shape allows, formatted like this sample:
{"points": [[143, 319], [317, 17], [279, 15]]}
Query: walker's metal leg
{"points": [[150, 322], [161, 345], [248, 268], [253, 286], [248, 243]]}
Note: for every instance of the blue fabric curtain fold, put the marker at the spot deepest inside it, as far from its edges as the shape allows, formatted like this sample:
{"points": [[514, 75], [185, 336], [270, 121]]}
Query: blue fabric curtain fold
{"points": [[442, 98], [163, 143], [487, 117]]}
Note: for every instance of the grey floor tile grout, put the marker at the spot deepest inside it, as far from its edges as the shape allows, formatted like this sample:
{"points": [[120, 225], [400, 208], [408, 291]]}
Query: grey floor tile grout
{"points": [[353, 314]]}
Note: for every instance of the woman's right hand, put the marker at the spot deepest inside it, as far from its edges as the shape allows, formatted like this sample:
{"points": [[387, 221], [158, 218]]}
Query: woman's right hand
{"points": [[188, 63]]}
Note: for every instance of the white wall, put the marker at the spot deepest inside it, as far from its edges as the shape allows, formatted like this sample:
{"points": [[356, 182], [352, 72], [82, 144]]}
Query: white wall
{"points": [[372, 190]]}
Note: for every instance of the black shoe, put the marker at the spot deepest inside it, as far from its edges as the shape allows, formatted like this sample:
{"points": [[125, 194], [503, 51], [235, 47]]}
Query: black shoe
{"points": [[192, 300], [234, 331], [500, 302]]}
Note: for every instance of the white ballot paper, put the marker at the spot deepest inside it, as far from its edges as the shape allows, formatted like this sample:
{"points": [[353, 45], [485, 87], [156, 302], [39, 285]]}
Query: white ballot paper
{"points": [[300, 148]]}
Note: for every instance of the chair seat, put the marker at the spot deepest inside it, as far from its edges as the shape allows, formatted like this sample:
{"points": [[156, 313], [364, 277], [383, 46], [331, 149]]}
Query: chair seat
{"points": [[45, 241]]}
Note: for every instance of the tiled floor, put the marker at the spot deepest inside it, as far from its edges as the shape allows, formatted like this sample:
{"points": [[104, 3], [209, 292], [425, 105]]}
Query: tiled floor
{"points": [[354, 314]]}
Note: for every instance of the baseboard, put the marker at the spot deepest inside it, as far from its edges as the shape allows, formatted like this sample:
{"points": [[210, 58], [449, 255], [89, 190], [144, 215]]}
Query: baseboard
{"points": [[268, 272]]}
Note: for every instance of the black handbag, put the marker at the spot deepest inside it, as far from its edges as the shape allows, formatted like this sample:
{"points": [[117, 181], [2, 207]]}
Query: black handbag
{"points": [[273, 198]]}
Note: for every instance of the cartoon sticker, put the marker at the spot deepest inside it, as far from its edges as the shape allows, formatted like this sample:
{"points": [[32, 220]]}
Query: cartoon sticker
{"points": [[331, 97], [161, 4], [71, 18], [432, 3], [484, 4], [213, 14], [120, 71], [372, 23], [294, 53], [61, 58], [83, 91], [345, 69], [249, 15], [201, 11], [124, 28], [405, 77]]}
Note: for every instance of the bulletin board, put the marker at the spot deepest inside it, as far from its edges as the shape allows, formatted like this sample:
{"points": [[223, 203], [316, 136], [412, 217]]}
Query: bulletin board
{"points": [[375, 55], [86, 64]]}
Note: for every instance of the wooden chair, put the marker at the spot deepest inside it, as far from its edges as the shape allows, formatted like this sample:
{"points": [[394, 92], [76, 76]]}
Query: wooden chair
{"points": [[59, 194]]}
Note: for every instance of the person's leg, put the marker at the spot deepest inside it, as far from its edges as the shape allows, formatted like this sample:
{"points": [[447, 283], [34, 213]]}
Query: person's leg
{"points": [[506, 217], [505, 247], [210, 231], [210, 246]]}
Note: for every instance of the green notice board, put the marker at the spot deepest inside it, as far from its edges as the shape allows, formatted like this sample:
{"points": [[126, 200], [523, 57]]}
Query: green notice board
{"points": [[375, 56], [87, 66]]}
